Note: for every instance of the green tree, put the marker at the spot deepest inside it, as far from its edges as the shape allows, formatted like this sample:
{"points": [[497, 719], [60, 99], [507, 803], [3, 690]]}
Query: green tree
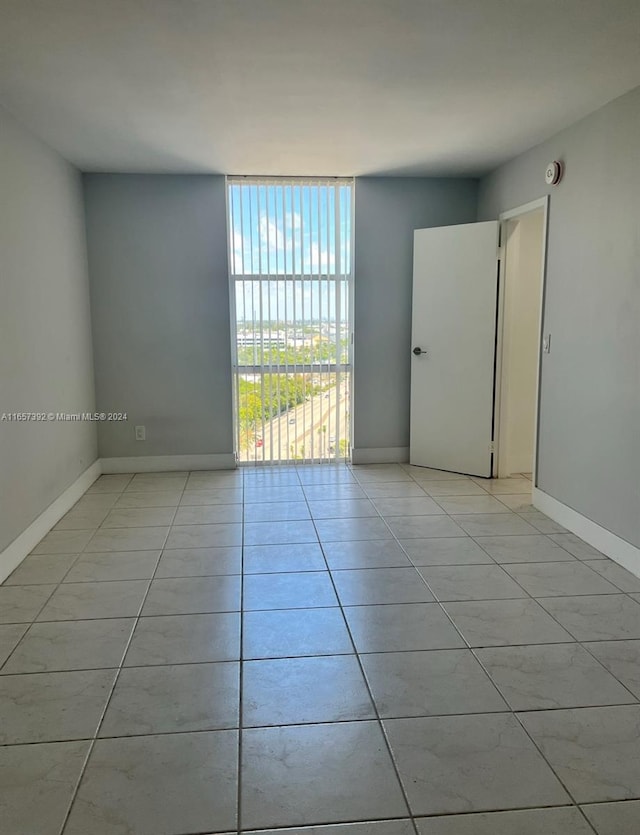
{"points": [[261, 401]]}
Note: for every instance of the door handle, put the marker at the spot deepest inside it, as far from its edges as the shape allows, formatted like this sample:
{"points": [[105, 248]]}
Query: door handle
{"points": [[418, 351]]}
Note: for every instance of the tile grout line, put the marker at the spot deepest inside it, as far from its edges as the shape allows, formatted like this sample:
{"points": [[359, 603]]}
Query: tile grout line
{"points": [[516, 716], [340, 605], [506, 711], [34, 621], [92, 744], [424, 566], [494, 563], [512, 712], [321, 655], [577, 641], [240, 674], [56, 586], [574, 802], [474, 654], [379, 722], [347, 606]]}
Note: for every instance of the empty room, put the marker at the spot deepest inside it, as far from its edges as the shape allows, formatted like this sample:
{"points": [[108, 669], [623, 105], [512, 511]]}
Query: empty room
{"points": [[319, 417]]}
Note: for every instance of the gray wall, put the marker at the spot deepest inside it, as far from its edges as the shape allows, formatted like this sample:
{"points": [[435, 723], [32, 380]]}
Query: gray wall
{"points": [[160, 306], [160, 312], [589, 448], [45, 335], [387, 210]]}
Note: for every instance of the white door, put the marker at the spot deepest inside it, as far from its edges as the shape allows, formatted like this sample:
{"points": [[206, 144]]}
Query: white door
{"points": [[454, 325]]}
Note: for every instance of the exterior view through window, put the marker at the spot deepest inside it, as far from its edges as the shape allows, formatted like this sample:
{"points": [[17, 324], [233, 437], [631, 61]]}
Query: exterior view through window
{"points": [[290, 258]]}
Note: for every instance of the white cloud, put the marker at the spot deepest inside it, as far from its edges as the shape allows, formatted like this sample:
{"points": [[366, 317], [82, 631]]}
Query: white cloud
{"points": [[321, 259], [271, 235]]}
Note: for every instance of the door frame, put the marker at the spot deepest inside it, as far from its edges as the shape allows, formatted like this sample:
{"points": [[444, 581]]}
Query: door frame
{"points": [[499, 392]]}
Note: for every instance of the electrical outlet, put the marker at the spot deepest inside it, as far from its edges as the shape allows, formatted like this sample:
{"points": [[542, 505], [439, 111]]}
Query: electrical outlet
{"points": [[141, 433]]}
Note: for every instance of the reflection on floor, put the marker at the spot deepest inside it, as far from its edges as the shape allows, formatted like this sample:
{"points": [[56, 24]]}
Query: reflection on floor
{"points": [[404, 647]]}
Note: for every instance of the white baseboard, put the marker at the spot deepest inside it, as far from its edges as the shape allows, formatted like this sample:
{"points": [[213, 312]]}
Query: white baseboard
{"points": [[382, 455], [14, 553], [619, 550], [168, 463]]}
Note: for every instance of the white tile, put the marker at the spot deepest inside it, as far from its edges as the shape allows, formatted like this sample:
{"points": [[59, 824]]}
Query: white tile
{"points": [[139, 517], [473, 763], [305, 774], [110, 483], [128, 539], [63, 542], [470, 504], [499, 486]]}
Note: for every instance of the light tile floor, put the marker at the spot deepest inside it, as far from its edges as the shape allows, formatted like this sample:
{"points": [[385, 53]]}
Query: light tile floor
{"points": [[397, 650]]}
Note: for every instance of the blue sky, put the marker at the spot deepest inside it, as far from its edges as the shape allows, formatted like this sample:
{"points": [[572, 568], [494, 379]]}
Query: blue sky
{"points": [[289, 228], [295, 230]]}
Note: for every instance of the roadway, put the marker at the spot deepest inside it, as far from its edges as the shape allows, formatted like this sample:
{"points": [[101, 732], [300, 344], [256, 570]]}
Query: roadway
{"points": [[301, 427]]}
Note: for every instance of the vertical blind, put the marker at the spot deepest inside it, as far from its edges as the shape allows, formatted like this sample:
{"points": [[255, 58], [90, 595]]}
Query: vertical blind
{"points": [[290, 253]]}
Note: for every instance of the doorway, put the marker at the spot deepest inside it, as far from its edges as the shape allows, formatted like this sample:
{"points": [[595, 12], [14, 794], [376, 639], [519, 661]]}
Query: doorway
{"points": [[290, 257], [478, 291], [519, 335]]}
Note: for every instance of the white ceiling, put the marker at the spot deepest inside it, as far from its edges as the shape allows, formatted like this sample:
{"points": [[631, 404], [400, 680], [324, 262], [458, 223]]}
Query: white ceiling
{"points": [[334, 87]]}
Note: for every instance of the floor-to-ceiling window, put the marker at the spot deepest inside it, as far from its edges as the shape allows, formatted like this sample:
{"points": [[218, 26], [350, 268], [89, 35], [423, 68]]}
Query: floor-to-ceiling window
{"points": [[290, 258]]}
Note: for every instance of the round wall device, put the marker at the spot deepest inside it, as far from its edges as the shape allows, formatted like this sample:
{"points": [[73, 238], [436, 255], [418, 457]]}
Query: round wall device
{"points": [[553, 174]]}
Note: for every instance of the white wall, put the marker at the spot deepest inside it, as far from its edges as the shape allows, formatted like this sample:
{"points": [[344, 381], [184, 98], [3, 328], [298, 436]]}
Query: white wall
{"points": [[589, 441], [520, 342], [387, 210], [45, 334], [160, 312]]}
